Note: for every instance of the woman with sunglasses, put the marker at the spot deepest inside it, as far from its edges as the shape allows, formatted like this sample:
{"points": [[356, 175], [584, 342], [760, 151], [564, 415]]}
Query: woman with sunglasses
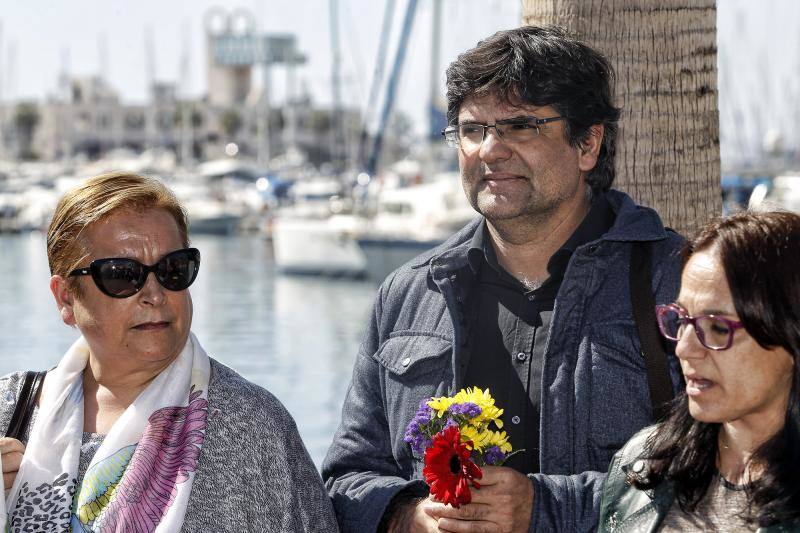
{"points": [[137, 429], [727, 457]]}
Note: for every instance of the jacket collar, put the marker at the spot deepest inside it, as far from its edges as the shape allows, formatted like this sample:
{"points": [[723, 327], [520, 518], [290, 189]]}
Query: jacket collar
{"points": [[633, 223]]}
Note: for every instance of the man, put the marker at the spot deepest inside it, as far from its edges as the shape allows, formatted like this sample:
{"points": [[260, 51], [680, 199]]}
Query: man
{"points": [[531, 300]]}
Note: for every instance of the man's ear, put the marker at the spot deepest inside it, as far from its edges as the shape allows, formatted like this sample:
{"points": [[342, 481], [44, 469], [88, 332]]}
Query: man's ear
{"points": [[64, 299], [589, 149]]}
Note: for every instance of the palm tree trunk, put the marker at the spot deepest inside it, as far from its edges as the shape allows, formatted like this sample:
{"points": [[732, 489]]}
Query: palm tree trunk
{"points": [[664, 53]]}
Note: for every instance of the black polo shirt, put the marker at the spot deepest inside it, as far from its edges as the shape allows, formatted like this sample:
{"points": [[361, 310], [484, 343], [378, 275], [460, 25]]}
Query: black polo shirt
{"points": [[513, 322]]}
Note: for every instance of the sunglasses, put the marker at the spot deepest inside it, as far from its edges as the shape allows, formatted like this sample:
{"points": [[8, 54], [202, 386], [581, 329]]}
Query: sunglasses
{"points": [[714, 332], [120, 277]]}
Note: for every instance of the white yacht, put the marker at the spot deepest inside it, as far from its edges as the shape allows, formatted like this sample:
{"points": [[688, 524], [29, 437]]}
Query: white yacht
{"points": [[411, 220], [316, 234]]}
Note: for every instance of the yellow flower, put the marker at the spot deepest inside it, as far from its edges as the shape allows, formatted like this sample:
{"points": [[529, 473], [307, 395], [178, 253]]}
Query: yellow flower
{"points": [[440, 405], [499, 439], [480, 439], [484, 400]]}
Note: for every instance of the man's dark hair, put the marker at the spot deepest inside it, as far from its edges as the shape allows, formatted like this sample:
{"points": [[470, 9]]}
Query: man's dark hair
{"points": [[543, 66], [759, 253]]}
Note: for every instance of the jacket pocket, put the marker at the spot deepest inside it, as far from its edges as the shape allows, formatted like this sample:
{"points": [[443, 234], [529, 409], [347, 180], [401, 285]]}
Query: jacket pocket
{"points": [[620, 400], [408, 354], [416, 367]]}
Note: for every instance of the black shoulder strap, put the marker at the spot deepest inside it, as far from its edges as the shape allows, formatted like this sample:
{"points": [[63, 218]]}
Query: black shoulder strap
{"points": [[31, 387], [644, 305]]}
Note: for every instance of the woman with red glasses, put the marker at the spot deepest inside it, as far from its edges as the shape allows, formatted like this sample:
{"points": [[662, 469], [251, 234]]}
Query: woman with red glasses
{"points": [[727, 458], [137, 428]]}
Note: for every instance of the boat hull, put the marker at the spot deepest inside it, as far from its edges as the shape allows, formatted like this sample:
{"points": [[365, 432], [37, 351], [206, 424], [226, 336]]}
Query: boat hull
{"points": [[316, 247]]}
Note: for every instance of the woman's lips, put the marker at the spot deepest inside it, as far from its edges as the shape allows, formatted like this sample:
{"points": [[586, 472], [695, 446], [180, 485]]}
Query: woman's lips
{"points": [[150, 326], [697, 386]]}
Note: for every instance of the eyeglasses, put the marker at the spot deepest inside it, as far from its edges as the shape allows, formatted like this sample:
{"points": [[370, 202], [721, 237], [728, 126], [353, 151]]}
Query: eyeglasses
{"points": [[120, 277], [714, 332], [470, 135]]}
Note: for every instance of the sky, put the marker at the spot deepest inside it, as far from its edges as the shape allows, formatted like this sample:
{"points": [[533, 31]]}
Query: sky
{"points": [[45, 37], [759, 52], [759, 77]]}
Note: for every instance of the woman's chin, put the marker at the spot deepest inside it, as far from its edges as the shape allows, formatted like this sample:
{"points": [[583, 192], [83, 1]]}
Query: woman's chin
{"points": [[701, 414]]}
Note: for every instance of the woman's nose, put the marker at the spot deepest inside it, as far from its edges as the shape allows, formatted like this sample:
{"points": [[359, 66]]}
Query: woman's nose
{"points": [[689, 345], [152, 292]]}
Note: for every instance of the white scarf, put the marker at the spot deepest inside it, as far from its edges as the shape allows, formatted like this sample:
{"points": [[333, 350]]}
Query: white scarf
{"points": [[140, 478]]}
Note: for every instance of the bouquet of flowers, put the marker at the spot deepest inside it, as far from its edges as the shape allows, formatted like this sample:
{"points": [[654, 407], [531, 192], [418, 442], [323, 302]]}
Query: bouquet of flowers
{"points": [[455, 437]]}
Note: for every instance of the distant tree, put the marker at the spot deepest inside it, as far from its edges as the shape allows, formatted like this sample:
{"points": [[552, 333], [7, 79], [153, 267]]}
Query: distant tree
{"points": [[276, 120], [664, 53], [231, 123], [319, 121], [26, 119], [196, 119]]}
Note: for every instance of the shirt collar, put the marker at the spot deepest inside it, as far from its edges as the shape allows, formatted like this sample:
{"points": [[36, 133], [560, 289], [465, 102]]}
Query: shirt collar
{"points": [[594, 225]]}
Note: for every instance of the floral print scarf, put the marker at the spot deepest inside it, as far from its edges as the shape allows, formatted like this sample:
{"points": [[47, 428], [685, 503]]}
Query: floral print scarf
{"points": [[141, 476]]}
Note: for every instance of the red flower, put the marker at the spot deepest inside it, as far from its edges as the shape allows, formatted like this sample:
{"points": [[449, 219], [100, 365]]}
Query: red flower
{"points": [[449, 469]]}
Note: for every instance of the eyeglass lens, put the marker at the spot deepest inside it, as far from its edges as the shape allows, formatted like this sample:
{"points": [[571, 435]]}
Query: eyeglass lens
{"points": [[471, 135], [713, 332]]}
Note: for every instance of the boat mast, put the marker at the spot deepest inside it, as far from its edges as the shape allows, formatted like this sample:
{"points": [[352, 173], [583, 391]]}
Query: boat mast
{"points": [[377, 79], [336, 87], [436, 51], [388, 104]]}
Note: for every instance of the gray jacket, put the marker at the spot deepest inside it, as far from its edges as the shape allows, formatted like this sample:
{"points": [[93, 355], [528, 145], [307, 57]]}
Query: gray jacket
{"points": [[594, 384], [254, 472]]}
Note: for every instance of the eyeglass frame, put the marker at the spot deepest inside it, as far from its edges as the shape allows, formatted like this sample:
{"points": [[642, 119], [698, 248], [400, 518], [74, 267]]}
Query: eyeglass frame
{"points": [[94, 267], [536, 122], [733, 325]]}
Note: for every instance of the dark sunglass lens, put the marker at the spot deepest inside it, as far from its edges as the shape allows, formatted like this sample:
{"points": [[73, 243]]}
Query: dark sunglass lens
{"points": [[118, 277], [177, 270]]}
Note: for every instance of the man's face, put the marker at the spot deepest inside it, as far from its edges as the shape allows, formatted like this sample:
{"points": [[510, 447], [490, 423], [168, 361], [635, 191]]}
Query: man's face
{"points": [[531, 181]]}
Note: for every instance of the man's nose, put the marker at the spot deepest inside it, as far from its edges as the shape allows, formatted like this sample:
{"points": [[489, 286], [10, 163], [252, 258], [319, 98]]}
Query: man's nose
{"points": [[493, 148]]}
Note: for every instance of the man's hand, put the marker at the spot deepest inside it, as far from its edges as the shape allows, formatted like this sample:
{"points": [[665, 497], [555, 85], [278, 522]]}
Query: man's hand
{"points": [[412, 517], [503, 504], [11, 451]]}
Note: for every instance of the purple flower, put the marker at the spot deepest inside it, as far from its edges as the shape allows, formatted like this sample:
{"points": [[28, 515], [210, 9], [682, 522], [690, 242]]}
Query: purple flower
{"points": [[467, 409], [415, 434], [419, 443], [494, 456]]}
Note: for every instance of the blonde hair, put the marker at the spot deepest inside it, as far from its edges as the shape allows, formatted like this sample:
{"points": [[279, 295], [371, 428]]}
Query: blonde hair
{"points": [[97, 199]]}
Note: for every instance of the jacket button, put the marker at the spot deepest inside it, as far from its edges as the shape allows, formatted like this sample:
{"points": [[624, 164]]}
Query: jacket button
{"points": [[406, 361], [521, 356], [638, 466], [515, 419]]}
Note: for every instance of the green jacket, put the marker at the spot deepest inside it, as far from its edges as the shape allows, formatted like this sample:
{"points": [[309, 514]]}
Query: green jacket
{"points": [[625, 509]]}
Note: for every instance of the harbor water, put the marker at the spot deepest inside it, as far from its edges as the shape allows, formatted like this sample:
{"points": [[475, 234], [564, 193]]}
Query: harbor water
{"points": [[295, 336]]}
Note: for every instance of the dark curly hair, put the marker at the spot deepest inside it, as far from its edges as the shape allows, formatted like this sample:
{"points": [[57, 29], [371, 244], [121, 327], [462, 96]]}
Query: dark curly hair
{"points": [[543, 66], [760, 253]]}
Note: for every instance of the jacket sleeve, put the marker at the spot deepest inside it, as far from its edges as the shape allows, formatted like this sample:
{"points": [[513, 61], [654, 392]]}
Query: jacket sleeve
{"points": [[566, 503], [359, 470]]}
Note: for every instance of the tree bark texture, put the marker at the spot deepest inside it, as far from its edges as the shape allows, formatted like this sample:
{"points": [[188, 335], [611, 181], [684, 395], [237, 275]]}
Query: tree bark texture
{"points": [[664, 53]]}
